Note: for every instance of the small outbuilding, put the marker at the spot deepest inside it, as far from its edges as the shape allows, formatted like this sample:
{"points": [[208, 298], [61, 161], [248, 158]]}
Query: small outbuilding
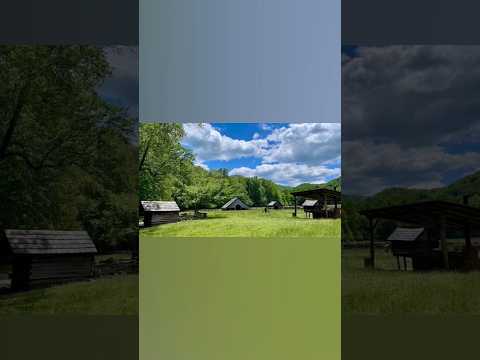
{"points": [[319, 203], [235, 204], [46, 257], [414, 243], [159, 212], [277, 205], [311, 207]]}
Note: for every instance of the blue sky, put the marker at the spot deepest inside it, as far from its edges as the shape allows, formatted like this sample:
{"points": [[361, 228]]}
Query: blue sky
{"points": [[288, 154]]}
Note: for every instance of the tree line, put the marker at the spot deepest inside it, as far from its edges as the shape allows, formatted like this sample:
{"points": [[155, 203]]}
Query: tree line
{"points": [[168, 172]]}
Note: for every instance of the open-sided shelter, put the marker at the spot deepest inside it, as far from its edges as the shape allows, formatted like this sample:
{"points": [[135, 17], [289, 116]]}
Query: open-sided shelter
{"points": [[45, 256], [159, 212], [320, 202], [436, 218], [235, 204]]}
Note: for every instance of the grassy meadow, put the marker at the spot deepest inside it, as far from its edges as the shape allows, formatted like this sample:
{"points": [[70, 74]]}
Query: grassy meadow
{"points": [[250, 223], [388, 291], [116, 295]]}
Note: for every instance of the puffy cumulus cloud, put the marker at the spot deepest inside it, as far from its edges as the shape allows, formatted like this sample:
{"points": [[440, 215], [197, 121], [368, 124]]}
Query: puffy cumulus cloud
{"points": [[310, 143], [291, 174], [291, 154], [370, 167], [416, 95], [209, 144], [404, 108]]}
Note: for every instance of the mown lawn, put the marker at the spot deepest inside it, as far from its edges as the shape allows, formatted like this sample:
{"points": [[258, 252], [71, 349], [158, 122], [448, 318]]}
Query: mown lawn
{"points": [[250, 223], [388, 291], [108, 296]]}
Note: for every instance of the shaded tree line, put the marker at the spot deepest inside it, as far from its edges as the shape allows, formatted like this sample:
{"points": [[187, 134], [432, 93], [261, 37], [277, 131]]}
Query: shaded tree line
{"points": [[67, 160]]}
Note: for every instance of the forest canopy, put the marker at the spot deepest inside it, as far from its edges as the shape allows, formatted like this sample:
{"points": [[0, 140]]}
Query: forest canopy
{"points": [[168, 172], [66, 155]]}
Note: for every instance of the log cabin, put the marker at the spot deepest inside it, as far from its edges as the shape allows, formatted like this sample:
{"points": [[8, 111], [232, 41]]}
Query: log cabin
{"points": [[159, 212], [44, 257]]}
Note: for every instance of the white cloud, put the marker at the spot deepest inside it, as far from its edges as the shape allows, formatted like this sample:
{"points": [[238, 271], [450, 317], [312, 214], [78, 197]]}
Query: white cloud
{"points": [[310, 143], [209, 144], [290, 155], [291, 174]]}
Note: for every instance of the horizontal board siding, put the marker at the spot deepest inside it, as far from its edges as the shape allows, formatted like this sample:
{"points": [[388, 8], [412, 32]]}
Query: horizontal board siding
{"points": [[158, 219], [79, 267]]}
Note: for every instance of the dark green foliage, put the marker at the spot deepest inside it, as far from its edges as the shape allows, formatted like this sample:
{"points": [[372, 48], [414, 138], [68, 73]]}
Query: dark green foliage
{"points": [[66, 159]]}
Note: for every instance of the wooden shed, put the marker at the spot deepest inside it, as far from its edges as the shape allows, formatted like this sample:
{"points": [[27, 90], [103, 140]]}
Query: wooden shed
{"points": [[235, 204], [46, 257], [311, 207], [159, 212], [275, 205], [414, 243]]}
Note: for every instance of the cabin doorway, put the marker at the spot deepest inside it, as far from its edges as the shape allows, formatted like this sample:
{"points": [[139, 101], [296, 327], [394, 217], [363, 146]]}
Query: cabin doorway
{"points": [[238, 207]]}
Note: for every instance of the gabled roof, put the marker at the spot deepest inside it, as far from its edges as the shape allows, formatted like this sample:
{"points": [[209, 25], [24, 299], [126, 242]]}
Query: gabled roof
{"points": [[310, 203], [160, 206], [47, 242], [230, 202], [405, 234], [272, 203]]}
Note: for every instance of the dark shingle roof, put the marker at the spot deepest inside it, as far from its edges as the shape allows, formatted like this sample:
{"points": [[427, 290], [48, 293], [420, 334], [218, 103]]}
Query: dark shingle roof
{"points": [[405, 234], [160, 206], [47, 242]]}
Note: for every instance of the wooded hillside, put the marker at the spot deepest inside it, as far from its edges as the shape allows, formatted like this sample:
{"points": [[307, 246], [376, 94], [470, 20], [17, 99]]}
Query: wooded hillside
{"points": [[168, 172], [354, 225]]}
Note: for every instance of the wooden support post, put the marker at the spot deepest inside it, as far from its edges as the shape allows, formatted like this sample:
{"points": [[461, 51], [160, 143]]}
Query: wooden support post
{"points": [[398, 263], [468, 237], [372, 245], [405, 263], [443, 242]]}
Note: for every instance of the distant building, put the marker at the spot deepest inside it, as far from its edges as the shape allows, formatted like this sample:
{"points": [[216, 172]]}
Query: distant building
{"points": [[159, 212], [235, 204], [275, 205]]}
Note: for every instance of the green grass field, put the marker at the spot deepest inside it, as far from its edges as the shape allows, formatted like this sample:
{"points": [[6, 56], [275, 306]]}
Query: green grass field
{"points": [[108, 296], [250, 223], [388, 291]]}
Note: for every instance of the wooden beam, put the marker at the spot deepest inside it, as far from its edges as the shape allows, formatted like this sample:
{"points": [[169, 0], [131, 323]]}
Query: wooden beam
{"points": [[468, 237], [443, 242]]}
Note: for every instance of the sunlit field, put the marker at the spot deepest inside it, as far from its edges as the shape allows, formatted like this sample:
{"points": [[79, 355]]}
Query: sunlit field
{"points": [[250, 223]]}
